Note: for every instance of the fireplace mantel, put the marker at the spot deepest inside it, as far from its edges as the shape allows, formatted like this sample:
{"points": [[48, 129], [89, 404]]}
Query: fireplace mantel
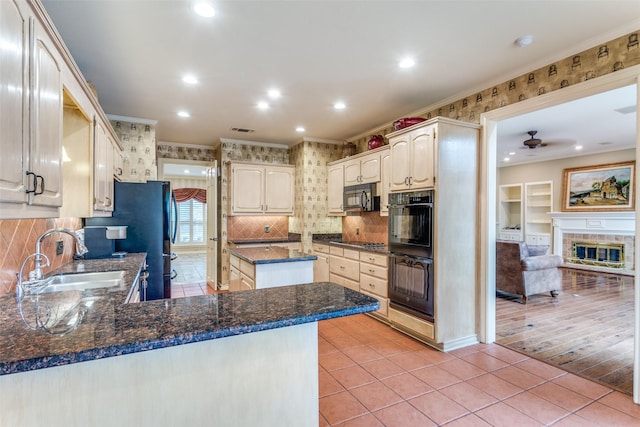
{"points": [[591, 223]]}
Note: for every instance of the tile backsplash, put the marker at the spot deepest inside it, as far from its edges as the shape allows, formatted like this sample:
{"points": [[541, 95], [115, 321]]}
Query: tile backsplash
{"points": [[18, 240], [366, 227], [252, 227]]}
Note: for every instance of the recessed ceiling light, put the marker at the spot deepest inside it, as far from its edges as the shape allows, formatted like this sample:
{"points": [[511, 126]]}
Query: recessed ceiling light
{"points": [[513, 153], [186, 171], [263, 105], [339, 105], [578, 147], [274, 93], [204, 8], [407, 63], [300, 129], [523, 41], [183, 114], [190, 79], [506, 159], [203, 172]]}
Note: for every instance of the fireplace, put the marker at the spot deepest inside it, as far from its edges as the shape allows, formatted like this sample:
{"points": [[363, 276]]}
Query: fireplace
{"points": [[598, 254], [596, 241]]}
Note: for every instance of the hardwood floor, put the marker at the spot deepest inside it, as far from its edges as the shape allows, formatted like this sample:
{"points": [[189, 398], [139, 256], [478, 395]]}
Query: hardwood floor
{"points": [[586, 330]]}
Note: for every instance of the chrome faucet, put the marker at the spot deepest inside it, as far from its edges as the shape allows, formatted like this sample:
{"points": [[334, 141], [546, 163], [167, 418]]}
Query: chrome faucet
{"points": [[81, 249]]}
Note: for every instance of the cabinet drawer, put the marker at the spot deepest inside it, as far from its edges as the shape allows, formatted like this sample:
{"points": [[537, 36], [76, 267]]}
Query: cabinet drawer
{"points": [[318, 247], [374, 270], [353, 254], [374, 258], [345, 267], [374, 285], [412, 324], [351, 284], [246, 283], [335, 250], [247, 268], [384, 304]]}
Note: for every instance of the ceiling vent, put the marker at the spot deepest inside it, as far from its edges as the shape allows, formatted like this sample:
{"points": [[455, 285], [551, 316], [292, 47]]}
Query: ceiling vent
{"points": [[242, 130]]}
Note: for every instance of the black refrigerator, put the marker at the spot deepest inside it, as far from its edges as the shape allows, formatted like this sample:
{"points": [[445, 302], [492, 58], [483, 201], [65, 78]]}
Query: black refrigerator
{"points": [[145, 208]]}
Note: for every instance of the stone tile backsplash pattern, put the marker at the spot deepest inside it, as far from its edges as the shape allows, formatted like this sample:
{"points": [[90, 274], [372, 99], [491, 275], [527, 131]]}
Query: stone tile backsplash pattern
{"points": [[139, 150], [252, 227], [367, 227], [18, 240]]}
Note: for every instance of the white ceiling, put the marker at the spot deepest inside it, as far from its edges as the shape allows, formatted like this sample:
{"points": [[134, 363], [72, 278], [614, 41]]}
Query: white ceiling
{"points": [[318, 52]]}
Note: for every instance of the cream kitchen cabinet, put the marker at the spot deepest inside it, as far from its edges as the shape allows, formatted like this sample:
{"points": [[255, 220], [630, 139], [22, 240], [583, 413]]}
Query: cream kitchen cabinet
{"points": [[344, 267], [362, 170], [262, 189], [385, 181], [103, 169], [31, 118], [321, 265], [374, 276], [335, 178], [412, 158]]}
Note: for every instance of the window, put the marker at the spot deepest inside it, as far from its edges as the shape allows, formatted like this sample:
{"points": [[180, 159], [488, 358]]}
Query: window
{"points": [[191, 222]]}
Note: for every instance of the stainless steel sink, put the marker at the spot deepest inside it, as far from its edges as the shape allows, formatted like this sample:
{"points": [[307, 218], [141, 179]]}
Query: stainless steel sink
{"points": [[84, 281]]}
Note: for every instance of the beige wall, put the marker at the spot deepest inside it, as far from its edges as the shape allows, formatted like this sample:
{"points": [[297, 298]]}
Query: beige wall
{"points": [[552, 170]]}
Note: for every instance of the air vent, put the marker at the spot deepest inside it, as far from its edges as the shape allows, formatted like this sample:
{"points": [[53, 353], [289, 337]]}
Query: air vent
{"points": [[243, 130]]}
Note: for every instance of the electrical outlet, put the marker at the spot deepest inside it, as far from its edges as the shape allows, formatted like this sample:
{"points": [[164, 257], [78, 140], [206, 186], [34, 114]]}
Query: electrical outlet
{"points": [[59, 247], [357, 231], [267, 228]]}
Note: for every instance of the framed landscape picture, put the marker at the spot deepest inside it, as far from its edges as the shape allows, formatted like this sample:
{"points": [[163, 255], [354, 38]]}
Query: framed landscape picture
{"points": [[599, 188]]}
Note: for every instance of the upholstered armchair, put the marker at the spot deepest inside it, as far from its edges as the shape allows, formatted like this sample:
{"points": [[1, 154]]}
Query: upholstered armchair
{"points": [[525, 271]]}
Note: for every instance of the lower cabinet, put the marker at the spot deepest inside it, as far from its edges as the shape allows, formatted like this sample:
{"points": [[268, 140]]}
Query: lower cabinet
{"points": [[321, 265], [344, 267], [374, 278]]}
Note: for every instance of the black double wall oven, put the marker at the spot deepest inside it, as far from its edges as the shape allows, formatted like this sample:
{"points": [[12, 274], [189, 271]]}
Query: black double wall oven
{"points": [[411, 253]]}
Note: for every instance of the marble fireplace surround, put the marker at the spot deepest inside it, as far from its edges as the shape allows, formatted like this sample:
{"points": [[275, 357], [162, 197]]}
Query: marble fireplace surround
{"points": [[601, 227]]}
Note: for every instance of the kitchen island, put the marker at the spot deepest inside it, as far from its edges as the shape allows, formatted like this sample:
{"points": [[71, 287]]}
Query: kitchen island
{"points": [[269, 266], [237, 359]]}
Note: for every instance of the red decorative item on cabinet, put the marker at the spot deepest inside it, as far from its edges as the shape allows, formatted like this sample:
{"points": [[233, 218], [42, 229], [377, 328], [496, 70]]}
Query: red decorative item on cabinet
{"points": [[375, 141], [406, 122]]}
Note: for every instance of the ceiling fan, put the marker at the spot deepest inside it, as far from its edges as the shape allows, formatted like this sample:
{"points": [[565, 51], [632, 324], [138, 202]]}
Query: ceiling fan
{"points": [[533, 142]]}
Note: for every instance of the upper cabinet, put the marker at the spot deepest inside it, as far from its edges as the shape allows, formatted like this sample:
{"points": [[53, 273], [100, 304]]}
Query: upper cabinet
{"points": [[262, 189], [385, 181], [362, 170], [335, 182], [412, 158], [31, 119]]}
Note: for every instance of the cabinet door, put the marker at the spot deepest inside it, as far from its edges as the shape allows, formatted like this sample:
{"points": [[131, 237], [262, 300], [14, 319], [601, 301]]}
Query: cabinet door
{"points": [[321, 268], [234, 279], [400, 162], [247, 189], [108, 176], [352, 172], [385, 182], [99, 167], [421, 160], [370, 168], [335, 189], [278, 194], [13, 101], [45, 154]]}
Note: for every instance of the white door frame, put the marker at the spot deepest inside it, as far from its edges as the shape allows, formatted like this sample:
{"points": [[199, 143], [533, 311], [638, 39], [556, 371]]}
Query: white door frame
{"points": [[487, 192]]}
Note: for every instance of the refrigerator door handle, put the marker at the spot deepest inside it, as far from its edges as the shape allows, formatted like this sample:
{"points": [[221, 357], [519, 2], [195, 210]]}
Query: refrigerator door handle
{"points": [[174, 225]]}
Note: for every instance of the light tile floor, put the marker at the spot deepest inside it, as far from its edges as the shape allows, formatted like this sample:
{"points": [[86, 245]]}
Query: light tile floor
{"points": [[373, 375], [191, 279]]}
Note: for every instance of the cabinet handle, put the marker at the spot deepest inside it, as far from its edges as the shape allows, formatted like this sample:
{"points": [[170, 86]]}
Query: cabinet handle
{"points": [[406, 180], [41, 185], [371, 270], [372, 285], [410, 180], [342, 267], [31, 190], [107, 201], [371, 259]]}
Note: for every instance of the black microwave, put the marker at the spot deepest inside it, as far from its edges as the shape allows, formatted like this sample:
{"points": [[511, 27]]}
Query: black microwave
{"points": [[361, 198]]}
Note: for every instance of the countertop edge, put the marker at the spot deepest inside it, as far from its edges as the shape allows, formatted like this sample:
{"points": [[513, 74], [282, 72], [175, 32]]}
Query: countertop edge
{"points": [[120, 350]]}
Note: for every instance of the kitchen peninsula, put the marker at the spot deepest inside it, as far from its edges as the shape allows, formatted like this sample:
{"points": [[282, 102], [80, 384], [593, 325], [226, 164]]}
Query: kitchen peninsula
{"points": [[238, 358], [268, 266]]}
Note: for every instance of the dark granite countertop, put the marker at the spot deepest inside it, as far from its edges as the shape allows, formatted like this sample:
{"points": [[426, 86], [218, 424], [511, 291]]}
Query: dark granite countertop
{"points": [[353, 245], [271, 255], [109, 327], [292, 237]]}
